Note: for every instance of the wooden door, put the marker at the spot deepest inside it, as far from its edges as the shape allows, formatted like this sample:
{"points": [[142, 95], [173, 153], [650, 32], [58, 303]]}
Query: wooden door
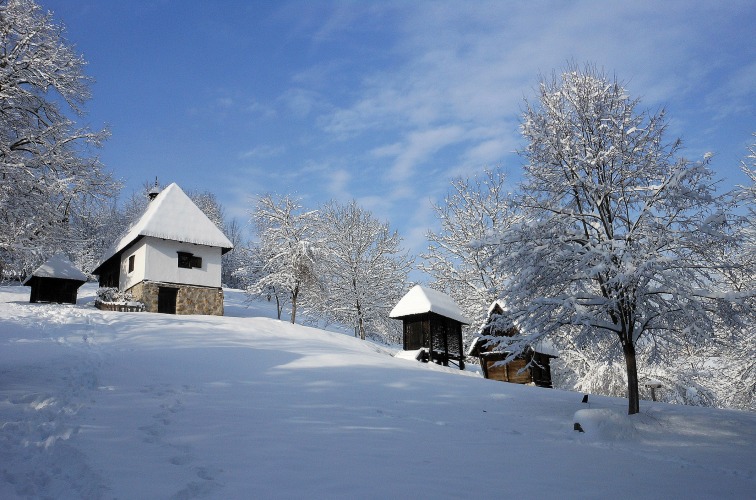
{"points": [[167, 300]]}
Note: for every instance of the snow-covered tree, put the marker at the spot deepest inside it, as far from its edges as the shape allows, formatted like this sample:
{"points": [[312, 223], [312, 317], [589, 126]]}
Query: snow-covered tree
{"points": [[232, 261], [285, 244], [210, 206], [741, 365], [46, 164], [617, 232], [249, 272], [363, 268], [747, 196], [94, 225], [472, 211], [133, 207]]}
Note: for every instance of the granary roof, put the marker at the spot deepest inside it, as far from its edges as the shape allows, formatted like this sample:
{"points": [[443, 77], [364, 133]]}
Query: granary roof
{"points": [[172, 215], [58, 266], [421, 300]]}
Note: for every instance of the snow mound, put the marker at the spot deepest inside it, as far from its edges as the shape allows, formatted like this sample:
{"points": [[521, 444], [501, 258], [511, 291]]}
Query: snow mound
{"points": [[413, 355], [604, 424]]}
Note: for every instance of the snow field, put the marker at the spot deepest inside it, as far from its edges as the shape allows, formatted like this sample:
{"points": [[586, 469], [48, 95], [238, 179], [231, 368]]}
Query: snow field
{"points": [[98, 404]]}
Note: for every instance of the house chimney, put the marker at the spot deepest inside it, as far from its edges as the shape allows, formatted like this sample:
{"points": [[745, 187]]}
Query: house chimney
{"points": [[152, 193]]}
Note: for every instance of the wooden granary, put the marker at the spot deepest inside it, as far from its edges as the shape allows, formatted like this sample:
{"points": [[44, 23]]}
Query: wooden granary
{"points": [[530, 367], [57, 280], [432, 322]]}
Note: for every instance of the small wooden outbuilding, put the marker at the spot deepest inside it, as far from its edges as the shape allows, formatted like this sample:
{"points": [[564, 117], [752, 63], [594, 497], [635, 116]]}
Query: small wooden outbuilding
{"points": [[57, 280], [516, 371], [432, 321]]}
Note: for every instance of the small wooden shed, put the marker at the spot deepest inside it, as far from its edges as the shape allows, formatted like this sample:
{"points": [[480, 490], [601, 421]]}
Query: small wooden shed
{"points": [[516, 371], [57, 280], [432, 321]]}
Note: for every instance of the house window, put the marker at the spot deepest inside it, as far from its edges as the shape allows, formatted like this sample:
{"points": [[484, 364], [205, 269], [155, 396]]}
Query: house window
{"points": [[131, 264], [189, 261]]}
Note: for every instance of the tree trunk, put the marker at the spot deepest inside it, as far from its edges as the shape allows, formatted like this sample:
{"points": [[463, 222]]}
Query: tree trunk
{"points": [[362, 329], [294, 295], [360, 323], [633, 398]]}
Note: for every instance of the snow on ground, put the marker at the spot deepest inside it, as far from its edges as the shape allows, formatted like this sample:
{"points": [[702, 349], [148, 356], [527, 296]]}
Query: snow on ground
{"points": [[97, 404]]}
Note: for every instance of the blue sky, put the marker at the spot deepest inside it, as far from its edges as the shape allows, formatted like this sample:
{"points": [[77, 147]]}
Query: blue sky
{"points": [[385, 102]]}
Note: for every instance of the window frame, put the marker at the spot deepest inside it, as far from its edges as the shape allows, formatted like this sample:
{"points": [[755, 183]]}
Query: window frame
{"points": [[187, 260]]}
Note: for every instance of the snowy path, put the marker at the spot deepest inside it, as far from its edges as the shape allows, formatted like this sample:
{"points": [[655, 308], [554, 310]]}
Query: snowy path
{"points": [[137, 405]]}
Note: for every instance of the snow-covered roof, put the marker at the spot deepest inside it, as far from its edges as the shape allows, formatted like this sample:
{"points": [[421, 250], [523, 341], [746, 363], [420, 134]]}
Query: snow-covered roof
{"points": [[58, 266], [172, 215], [543, 345], [472, 349], [421, 300], [493, 306]]}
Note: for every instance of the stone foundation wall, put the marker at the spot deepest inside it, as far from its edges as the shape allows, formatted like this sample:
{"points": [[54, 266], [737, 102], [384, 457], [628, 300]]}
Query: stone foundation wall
{"points": [[189, 300], [199, 300], [144, 294]]}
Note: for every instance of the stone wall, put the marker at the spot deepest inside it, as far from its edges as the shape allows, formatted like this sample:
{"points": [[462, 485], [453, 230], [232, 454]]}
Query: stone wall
{"points": [[199, 300], [145, 294], [189, 300]]}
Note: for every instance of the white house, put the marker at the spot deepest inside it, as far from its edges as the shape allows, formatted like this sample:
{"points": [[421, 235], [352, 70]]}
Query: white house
{"points": [[170, 259]]}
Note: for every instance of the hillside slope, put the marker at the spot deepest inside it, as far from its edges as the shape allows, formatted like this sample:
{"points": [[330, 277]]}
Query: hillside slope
{"points": [[135, 405]]}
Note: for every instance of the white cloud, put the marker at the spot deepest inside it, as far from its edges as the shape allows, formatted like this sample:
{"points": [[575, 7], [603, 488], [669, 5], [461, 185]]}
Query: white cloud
{"points": [[339, 180], [263, 151], [386, 150], [301, 102], [736, 94], [263, 110], [466, 64], [420, 146]]}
